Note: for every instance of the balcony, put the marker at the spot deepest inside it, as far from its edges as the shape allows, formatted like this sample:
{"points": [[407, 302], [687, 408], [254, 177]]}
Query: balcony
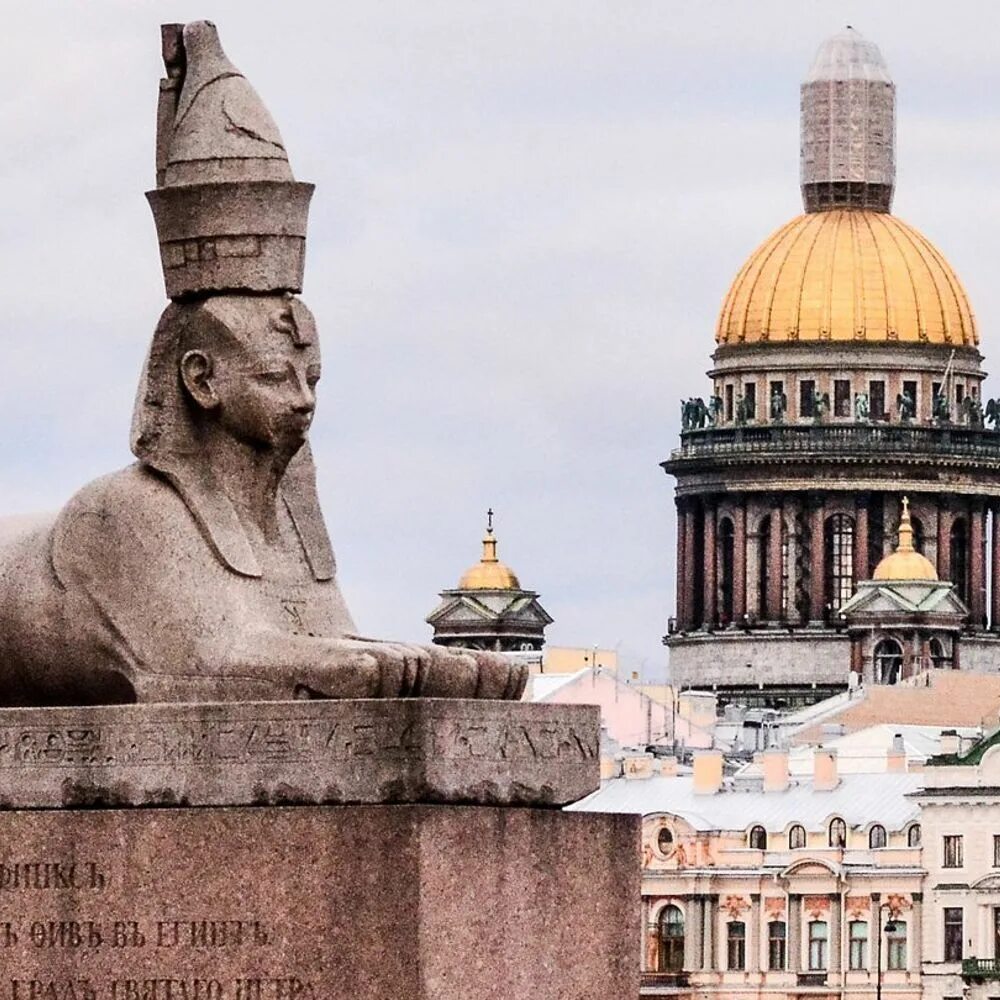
{"points": [[811, 979], [666, 980], [979, 969], [837, 442]]}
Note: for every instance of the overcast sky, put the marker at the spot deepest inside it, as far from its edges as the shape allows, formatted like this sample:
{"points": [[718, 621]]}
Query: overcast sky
{"points": [[526, 217]]}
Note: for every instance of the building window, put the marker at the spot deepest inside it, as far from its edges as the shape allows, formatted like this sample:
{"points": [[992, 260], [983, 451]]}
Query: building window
{"points": [[839, 560], [918, 533], [896, 940], [729, 403], [838, 833], [913, 836], [910, 391], [876, 400], [888, 657], [671, 923], [841, 397], [807, 398], [959, 558], [796, 837], [726, 575], [953, 933], [818, 933], [776, 935], [665, 841], [996, 850], [750, 400], [940, 660], [758, 838], [858, 944], [736, 946], [953, 851], [876, 837]]}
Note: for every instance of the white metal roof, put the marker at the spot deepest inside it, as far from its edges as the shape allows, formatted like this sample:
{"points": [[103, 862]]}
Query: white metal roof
{"points": [[859, 799], [848, 55]]}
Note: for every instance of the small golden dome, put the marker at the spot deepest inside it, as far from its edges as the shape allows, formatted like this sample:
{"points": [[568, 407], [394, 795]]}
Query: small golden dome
{"points": [[489, 573], [847, 275], [905, 563]]}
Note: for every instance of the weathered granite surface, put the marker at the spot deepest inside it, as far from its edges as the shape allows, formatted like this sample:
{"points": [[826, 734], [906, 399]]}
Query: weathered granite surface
{"points": [[370, 751], [319, 903], [204, 571]]}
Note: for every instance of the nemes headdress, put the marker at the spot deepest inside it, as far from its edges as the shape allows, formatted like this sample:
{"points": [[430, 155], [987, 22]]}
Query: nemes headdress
{"points": [[229, 215]]}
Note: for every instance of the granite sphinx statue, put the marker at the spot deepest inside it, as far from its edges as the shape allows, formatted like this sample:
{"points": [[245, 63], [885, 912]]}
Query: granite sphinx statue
{"points": [[203, 572]]}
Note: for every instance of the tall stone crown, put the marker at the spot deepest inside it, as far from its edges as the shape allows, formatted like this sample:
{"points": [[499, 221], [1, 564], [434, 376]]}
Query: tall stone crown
{"points": [[847, 154], [229, 215]]}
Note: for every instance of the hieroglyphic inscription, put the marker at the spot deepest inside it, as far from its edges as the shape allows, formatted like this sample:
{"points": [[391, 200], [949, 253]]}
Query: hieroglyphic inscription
{"points": [[285, 740], [160, 943]]}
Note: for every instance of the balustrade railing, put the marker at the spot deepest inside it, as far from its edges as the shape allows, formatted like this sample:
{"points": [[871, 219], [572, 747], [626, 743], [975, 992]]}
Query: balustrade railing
{"points": [[840, 439], [980, 968]]}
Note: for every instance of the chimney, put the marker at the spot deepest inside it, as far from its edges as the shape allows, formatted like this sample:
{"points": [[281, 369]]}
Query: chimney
{"points": [[638, 766], [949, 742], [825, 777], [707, 772], [774, 764], [611, 767], [668, 767]]}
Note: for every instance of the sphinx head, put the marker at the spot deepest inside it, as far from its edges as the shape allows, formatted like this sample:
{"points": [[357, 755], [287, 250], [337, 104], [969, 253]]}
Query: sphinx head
{"points": [[241, 365]]}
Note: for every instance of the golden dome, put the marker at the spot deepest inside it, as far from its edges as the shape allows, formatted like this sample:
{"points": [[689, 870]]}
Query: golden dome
{"points": [[847, 275], [905, 563], [489, 573]]}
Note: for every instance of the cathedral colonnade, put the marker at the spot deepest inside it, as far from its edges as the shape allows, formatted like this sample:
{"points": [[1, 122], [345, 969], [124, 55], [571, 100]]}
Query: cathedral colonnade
{"points": [[793, 559]]}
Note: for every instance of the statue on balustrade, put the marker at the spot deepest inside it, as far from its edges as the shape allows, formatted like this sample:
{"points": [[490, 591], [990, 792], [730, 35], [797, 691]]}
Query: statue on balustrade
{"points": [[940, 408], [203, 572], [740, 411], [993, 413], [906, 406], [714, 411], [861, 411], [779, 405], [972, 410], [821, 406]]}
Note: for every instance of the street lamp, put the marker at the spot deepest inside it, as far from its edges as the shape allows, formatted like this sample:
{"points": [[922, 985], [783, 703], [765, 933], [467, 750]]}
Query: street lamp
{"points": [[890, 926]]}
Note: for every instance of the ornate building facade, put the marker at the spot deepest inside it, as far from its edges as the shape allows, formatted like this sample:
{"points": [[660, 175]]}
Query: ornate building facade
{"points": [[847, 373]]}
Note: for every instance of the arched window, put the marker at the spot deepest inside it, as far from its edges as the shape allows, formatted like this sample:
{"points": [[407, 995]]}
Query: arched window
{"points": [[940, 660], [876, 836], [838, 833], [671, 924], [913, 836], [665, 841], [895, 933], [838, 560], [758, 838], [796, 837], [726, 581], [736, 945], [960, 558], [918, 533], [777, 934], [888, 657], [818, 941]]}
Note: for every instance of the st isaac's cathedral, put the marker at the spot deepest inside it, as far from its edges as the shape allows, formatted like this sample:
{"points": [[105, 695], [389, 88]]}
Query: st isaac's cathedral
{"points": [[838, 485]]}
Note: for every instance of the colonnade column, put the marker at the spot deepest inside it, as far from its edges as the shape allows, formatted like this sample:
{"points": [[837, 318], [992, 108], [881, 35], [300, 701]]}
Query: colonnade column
{"points": [[995, 602], [711, 588], [977, 567], [944, 518], [774, 567], [689, 550], [739, 560], [692, 934], [817, 583], [683, 562], [862, 571]]}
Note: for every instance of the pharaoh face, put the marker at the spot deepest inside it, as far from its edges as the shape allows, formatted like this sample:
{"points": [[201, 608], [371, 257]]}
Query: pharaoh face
{"points": [[256, 375]]}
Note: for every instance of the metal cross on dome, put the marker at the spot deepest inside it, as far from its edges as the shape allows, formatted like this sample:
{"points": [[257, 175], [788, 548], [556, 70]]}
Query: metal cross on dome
{"points": [[489, 519]]}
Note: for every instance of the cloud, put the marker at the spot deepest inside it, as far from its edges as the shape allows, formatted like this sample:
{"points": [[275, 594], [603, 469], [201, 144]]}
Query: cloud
{"points": [[525, 221]]}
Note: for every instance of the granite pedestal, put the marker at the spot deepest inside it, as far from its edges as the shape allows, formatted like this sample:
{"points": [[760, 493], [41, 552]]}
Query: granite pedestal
{"points": [[320, 850]]}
